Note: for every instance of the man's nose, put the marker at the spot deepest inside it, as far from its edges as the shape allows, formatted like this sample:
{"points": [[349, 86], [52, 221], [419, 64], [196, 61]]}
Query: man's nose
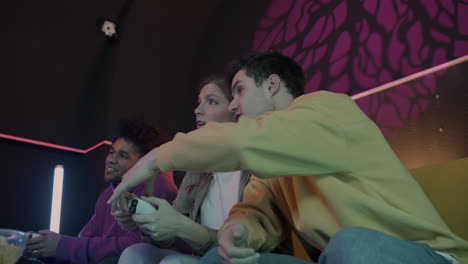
{"points": [[111, 158], [233, 106]]}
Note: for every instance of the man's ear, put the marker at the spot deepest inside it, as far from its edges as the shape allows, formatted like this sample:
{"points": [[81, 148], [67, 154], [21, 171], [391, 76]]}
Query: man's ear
{"points": [[273, 84]]}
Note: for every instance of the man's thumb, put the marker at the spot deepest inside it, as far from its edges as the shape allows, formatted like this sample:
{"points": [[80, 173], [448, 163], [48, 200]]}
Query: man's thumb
{"points": [[240, 236]]}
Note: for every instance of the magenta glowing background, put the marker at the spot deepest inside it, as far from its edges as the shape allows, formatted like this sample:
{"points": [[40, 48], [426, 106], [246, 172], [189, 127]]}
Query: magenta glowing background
{"points": [[352, 46]]}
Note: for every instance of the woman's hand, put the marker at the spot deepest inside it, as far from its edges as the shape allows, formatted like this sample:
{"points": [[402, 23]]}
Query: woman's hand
{"points": [[162, 225]]}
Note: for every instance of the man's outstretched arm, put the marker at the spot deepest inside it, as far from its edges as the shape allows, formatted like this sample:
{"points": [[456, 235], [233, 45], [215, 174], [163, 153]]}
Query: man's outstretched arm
{"points": [[309, 138]]}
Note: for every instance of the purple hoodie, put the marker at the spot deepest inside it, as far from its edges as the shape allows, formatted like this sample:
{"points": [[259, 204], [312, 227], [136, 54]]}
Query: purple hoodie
{"points": [[102, 236]]}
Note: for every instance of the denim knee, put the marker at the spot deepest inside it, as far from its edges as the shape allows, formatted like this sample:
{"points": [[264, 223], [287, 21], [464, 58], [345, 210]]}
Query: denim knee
{"points": [[354, 245], [179, 259], [350, 234], [211, 257], [350, 242]]}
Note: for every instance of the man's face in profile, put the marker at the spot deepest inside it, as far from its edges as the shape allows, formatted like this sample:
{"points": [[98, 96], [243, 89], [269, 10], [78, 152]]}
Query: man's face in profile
{"points": [[248, 98], [123, 154]]}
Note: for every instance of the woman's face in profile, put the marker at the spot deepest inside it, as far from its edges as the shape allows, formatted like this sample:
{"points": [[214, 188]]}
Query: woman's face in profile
{"points": [[212, 106]]}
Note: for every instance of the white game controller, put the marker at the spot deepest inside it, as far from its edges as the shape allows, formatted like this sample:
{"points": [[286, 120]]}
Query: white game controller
{"points": [[139, 206], [33, 234]]}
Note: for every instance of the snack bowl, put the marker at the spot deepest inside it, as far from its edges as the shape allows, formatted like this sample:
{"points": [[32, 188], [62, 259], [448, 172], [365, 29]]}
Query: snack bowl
{"points": [[12, 245]]}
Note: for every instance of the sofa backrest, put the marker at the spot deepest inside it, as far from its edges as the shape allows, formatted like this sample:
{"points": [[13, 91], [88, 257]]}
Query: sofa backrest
{"points": [[446, 184]]}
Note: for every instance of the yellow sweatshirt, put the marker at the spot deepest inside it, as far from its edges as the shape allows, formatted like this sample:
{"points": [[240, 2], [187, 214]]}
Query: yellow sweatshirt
{"points": [[353, 178]]}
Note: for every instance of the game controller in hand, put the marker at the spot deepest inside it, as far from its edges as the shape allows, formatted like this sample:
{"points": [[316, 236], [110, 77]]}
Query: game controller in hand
{"points": [[139, 206], [33, 234]]}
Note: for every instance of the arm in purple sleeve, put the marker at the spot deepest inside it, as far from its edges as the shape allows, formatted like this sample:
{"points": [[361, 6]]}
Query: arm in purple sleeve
{"points": [[91, 229], [101, 237], [93, 249]]}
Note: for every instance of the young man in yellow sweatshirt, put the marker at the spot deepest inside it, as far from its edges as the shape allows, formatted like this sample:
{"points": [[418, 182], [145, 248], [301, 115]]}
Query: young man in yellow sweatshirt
{"points": [[332, 177]]}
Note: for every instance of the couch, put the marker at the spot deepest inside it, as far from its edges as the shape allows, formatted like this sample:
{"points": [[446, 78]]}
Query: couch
{"points": [[446, 185]]}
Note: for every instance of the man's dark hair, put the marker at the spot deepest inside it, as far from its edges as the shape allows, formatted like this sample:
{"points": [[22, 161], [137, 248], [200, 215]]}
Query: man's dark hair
{"points": [[259, 66], [144, 135]]}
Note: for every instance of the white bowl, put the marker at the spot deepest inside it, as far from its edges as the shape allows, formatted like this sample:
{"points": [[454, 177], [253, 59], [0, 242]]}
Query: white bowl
{"points": [[12, 245]]}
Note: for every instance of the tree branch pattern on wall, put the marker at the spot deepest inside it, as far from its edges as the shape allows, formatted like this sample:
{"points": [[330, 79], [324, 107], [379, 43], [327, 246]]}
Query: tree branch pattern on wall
{"points": [[351, 46]]}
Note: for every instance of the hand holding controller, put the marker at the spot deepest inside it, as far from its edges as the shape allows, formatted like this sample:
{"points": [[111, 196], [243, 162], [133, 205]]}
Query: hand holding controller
{"points": [[33, 234]]}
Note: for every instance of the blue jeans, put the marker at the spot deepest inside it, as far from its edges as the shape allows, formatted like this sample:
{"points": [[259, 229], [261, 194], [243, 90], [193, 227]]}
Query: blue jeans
{"points": [[357, 245]]}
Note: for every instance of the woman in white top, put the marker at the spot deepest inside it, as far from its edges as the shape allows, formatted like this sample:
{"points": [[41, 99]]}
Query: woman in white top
{"points": [[185, 231]]}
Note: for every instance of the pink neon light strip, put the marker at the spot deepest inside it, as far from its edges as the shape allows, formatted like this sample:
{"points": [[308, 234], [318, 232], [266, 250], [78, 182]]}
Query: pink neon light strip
{"points": [[410, 77], [50, 145]]}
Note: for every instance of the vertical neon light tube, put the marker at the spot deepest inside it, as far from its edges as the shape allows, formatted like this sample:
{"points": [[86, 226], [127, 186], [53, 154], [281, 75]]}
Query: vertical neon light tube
{"points": [[56, 199]]}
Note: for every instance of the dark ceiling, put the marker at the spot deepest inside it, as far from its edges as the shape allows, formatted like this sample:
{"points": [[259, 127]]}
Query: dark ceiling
{"points": [[63, 81]]}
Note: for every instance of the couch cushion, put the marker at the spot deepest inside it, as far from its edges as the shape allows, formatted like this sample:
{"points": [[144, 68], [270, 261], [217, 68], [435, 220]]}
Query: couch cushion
{"points": [[446, 184]]}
